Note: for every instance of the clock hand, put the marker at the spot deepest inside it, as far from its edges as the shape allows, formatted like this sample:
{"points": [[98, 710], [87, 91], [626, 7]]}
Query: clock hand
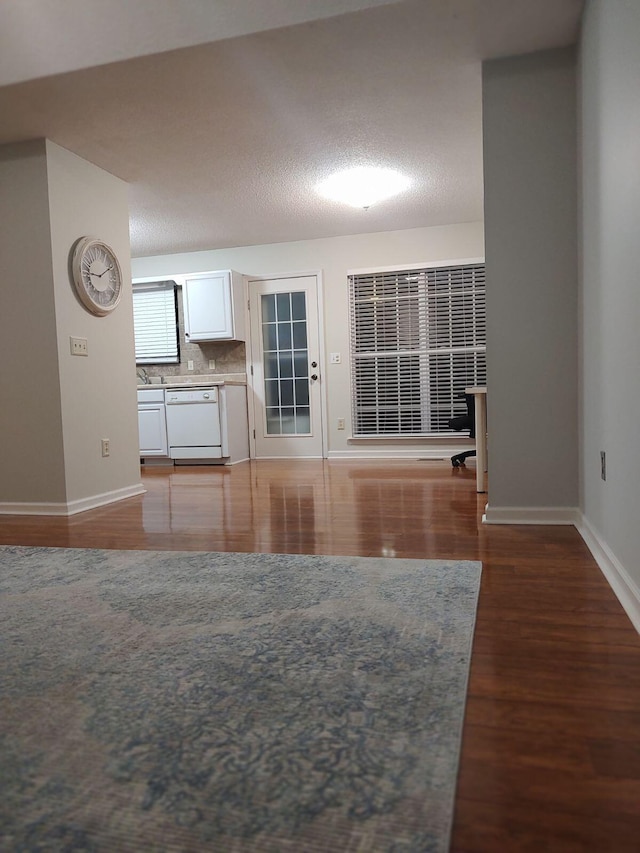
{"points": [[102, 273]]}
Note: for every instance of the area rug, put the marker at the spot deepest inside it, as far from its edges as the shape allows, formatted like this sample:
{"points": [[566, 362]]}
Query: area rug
{"points": [[236, 703]]}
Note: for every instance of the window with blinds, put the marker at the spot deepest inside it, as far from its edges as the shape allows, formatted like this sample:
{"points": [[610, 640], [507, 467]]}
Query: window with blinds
{"points": [[155, 322], [418, 339]]}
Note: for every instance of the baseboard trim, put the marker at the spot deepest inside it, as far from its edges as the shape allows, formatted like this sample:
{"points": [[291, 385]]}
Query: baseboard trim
{"points": [[71, 507], [625, 589], [531, 515], [439, 454]]}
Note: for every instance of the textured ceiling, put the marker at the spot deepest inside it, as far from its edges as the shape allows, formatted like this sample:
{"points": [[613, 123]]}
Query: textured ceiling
{"points": [[222, 142], [43, 37]]}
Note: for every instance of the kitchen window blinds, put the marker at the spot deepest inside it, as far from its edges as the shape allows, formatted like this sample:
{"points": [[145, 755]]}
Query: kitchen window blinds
{"points": [[155, 323], [418, 338]]}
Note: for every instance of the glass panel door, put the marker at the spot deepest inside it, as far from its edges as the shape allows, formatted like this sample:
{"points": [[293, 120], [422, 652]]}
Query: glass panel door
{"points": [[286, 363], [285, 367]]}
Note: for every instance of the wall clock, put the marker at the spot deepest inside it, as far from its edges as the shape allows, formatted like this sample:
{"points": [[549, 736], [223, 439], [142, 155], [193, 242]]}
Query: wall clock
{"points": [[96, 275]]}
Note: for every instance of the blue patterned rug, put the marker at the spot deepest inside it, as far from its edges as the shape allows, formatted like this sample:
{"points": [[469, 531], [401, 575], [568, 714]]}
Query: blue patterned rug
{"points": [[236, 703]]}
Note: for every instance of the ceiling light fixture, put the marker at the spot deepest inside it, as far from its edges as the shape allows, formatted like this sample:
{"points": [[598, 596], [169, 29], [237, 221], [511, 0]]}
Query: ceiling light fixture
{"points": [[363, 186]]}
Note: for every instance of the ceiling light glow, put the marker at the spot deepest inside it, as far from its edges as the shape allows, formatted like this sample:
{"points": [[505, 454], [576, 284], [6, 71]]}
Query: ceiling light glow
{"points": [[363, 186]]}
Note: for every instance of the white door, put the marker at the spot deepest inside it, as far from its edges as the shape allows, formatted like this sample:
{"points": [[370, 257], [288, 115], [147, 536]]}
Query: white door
{"points": [[285, 355]]}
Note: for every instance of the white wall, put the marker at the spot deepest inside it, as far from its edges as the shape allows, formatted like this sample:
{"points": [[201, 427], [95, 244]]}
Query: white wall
{"points": [[334, 257], [610, 297], [529, 127]]}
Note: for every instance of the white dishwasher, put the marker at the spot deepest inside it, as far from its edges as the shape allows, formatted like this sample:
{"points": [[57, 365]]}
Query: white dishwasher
{"points": [[193, 424]]}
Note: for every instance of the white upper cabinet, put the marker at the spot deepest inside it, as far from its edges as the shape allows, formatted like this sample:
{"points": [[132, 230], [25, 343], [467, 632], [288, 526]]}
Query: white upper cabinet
{"points": [[213, 306]]}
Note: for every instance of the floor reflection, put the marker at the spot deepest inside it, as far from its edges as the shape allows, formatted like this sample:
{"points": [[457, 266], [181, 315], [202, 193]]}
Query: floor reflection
{"points": [[301, 506]]}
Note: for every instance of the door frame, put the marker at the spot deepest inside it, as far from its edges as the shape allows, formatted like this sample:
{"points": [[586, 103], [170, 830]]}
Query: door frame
{"points": [[321, 354]]}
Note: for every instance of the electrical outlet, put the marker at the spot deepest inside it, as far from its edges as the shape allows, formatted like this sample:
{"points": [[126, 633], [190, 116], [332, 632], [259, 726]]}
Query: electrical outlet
{"points": [[335, 358], [340, 423], [212, 364], [78, 346], [603, 464], [189, 365], [105, 447]]}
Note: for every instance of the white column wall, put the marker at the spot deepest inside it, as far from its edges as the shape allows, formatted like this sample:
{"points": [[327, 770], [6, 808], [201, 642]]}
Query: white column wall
{"points": [[529, 128], [56, 408], [31, 449], [98, 393], [610, 295]]}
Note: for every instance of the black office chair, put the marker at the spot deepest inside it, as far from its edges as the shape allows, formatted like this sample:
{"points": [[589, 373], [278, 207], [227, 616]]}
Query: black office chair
{"points": [[461, 422]]}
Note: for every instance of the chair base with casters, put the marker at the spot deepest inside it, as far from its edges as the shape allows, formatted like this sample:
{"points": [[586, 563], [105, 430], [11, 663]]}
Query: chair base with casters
{"points": [[459, 458], [461, 422]]}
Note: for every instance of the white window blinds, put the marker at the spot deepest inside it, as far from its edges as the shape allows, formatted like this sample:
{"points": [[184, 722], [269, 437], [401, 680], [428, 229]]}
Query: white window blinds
{"points": [[418, 338], [155, 323]]}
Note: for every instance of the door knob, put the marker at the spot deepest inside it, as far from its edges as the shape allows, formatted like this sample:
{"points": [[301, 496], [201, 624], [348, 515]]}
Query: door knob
{"points": [[314, 364], [314, 375]]}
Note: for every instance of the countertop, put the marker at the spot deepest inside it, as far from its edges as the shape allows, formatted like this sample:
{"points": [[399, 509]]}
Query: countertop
{"points": [[197, 381]]}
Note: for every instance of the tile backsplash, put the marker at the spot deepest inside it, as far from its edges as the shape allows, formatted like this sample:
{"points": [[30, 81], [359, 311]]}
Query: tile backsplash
{"points": [[229, 356]]}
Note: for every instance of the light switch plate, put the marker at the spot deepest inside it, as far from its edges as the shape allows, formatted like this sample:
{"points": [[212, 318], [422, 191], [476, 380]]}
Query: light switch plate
{"points": [[78, 346]]}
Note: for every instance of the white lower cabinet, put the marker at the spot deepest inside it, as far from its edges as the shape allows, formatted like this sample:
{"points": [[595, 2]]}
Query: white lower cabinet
{"points": [[152, 423]]}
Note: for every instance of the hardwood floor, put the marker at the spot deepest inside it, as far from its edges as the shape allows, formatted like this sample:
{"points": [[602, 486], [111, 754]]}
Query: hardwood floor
{"points": [[551, 743]]}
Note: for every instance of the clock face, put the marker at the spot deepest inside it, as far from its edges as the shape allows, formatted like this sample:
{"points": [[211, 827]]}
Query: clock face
{"points": [[96, 275]]}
